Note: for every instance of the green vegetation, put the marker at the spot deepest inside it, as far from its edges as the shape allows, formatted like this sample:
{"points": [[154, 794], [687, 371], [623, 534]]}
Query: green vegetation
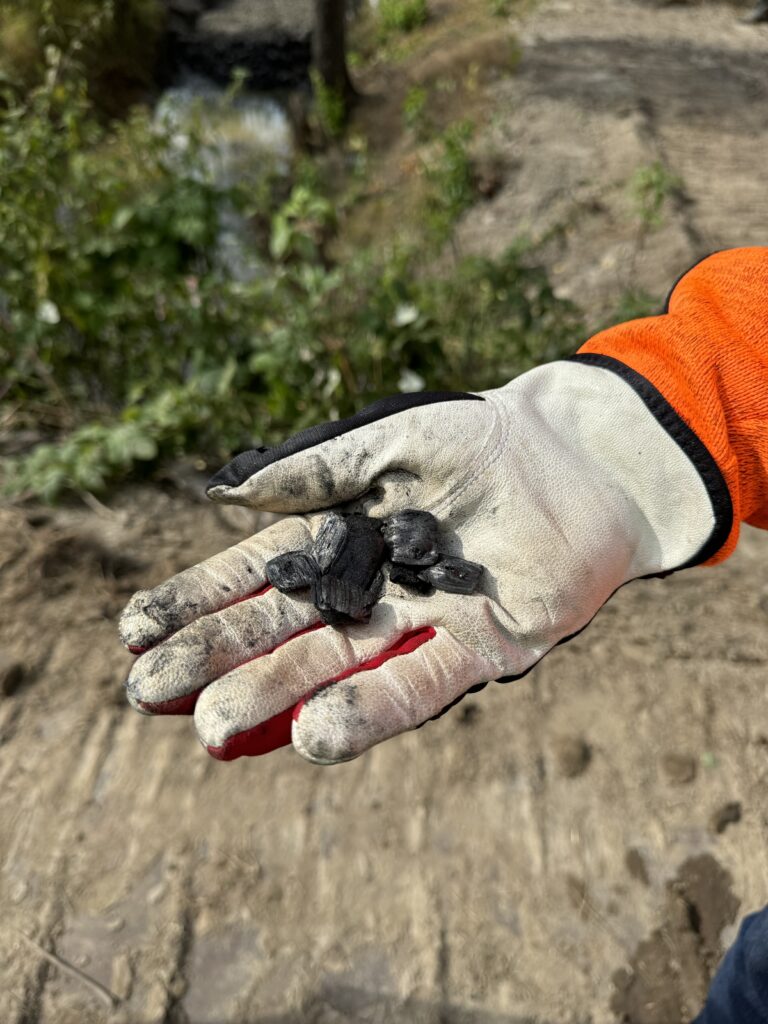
{"points": [[633, 305], [500, 8], [403, 15], [126, 338], [451, 180], [116, 42], [414, 111], [330, 108], [651, 186]]}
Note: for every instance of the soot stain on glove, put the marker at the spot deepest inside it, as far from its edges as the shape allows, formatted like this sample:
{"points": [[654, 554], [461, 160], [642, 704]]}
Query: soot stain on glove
{"points": [[343, 566]]}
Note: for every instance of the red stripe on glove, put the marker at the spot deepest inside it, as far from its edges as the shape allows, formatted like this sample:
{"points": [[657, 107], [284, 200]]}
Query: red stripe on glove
{"points": [[276, 731]]}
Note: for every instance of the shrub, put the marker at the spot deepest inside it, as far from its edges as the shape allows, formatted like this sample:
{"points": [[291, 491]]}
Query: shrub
{"points": [[414, 111], [125, 340], [451, 180], [116, 39], [403, 15]]}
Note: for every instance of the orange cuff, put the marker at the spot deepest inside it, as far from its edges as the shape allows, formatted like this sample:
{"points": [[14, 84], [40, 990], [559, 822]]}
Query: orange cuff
{"points": [[707, 356]]}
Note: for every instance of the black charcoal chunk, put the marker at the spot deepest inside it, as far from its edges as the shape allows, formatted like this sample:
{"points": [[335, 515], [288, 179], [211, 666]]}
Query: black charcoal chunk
{"points": [[454, 575], [408, 576], [292, 571], [338, 600], [362, 553], [330, 539], [373, 593], [411, 537]]}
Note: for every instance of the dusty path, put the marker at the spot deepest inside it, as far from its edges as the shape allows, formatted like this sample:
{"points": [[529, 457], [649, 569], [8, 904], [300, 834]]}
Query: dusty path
{"points": [[603, 88], [501, 865]]}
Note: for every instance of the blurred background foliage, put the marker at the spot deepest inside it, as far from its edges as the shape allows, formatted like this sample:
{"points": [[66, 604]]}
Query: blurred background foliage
{"points": [[116, 41], [128, 336]]}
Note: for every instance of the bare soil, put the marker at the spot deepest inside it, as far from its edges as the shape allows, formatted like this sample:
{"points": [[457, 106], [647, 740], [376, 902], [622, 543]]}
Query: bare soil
{"points": [[576, 847]]}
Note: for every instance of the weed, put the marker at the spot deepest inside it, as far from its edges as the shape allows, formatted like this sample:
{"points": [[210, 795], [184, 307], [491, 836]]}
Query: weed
{"points": [[330, 107], [650, 187], [403, 15], [414, 111], [450, 179]]}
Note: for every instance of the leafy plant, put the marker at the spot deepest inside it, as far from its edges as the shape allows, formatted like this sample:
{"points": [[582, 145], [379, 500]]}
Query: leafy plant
{"points": [[650, 187], [451, 180], [300, 224], [125, 339], [414, 111], [116, 41], [633, 305], [330, 107], [403, 15]]}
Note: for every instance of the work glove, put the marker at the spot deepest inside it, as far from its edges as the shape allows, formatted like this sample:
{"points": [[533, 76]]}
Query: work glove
{"points": [[564, 485]]}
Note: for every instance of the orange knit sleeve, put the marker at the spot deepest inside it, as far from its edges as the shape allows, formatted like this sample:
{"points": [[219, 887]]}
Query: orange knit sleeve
{"points": [[707, 355]]}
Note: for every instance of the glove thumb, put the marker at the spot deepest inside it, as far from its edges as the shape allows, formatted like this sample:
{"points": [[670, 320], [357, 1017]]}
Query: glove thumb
{"points": [[339, 462]]}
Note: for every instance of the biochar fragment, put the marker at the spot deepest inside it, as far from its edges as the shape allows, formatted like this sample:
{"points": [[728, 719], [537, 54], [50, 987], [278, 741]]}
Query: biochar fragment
{"points": [[292, 571], [455, 575], [408, 576], [411, 537], [342, 568]]}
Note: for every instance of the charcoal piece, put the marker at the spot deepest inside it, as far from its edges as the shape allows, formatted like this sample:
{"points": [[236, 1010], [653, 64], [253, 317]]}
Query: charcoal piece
{"points": [[373, 593], [330, 539], [408, 576], [292, 571], [338, 600], [411, 537], [454, 575], [361, 554]]}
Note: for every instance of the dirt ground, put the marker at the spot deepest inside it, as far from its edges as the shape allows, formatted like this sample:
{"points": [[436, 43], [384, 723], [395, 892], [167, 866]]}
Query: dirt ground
{"points": [[576, 847]]}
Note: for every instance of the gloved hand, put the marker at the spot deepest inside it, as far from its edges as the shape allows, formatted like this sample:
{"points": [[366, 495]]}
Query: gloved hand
{"points": [[565, 484]]}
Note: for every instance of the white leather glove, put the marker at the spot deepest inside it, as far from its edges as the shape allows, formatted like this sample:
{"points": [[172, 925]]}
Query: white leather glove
{"points": [[565, 484]]}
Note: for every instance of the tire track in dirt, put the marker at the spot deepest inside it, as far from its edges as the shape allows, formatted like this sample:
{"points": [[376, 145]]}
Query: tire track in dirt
{"points": [[31, 976]]}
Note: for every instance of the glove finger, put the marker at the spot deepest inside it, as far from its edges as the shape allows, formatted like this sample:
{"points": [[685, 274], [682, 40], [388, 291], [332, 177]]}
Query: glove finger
{"points": [[341, 720], [386, 445], [169, 678], [226, 578], [248, 711]]}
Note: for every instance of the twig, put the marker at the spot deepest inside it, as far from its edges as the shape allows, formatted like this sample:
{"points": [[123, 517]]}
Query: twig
{"points": [[104, 994], [97, 506]]}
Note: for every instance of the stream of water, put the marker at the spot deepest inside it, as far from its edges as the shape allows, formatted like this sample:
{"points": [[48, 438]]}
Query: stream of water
{"points": [[242, 136]]}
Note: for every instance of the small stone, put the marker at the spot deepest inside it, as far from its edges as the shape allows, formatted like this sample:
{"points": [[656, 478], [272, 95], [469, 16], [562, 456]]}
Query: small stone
{"points": [[11, 675], [679, 769], [454, 575], [573, 755], [728, 814]]}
